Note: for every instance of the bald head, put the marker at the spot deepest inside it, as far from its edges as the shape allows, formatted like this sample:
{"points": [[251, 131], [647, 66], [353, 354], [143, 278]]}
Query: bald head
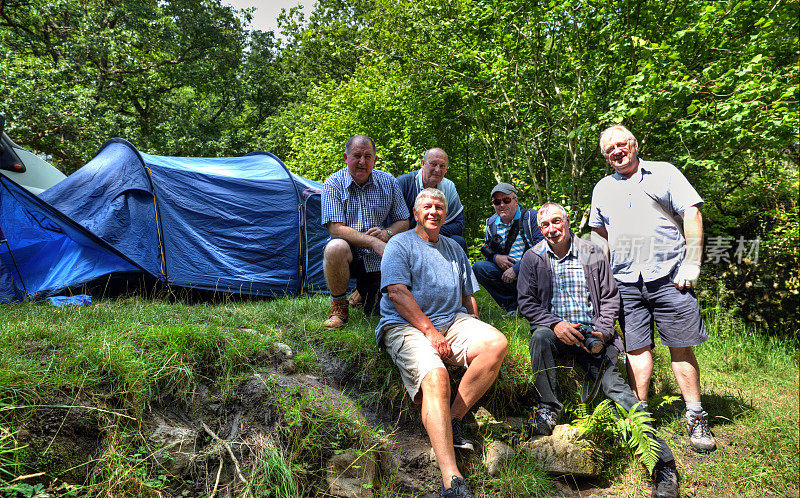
{"points": [[434, 166]]}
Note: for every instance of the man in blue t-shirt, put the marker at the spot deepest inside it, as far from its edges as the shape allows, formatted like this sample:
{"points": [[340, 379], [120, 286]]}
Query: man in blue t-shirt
{"points": [[429, 318]]}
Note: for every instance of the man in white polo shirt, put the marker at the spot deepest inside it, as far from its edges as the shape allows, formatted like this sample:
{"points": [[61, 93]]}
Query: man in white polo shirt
{"points": [[637, 212]]}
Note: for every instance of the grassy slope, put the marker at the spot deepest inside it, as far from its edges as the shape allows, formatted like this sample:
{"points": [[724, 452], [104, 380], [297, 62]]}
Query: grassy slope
{"points": [[147, 350]]}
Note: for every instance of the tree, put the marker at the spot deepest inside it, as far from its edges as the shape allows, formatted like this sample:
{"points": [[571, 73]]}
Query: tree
{"points": [[158, 73]]}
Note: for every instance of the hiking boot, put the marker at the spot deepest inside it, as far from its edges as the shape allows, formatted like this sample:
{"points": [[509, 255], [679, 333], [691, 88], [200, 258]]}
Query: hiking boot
{"points": [[355, 300], [700, 437], [458, 489], [543, 422], [459, 441], [338, 314], [665, 481]]}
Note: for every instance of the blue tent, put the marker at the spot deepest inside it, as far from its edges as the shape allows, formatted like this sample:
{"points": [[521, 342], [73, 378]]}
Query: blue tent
{"points": [[243, 225]]}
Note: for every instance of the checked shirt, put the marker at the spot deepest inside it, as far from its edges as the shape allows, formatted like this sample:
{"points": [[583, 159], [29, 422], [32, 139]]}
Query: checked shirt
{"points": [[378, 203], [571, 301], [518, 246]]}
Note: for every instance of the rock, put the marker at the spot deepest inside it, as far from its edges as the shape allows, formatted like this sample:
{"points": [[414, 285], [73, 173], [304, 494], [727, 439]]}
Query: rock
{"points": [[351, 474], [249, 331], [389, 459], [484, 418], [176, 447], [516, 424], [288, 367], [495, 455], [486, 421], [564, 452], [463, 457], [284, 349]]}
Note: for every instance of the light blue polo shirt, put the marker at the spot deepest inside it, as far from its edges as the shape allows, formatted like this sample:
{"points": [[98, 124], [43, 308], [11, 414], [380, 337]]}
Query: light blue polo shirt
{"points": [[640, 215], [448, 188]]}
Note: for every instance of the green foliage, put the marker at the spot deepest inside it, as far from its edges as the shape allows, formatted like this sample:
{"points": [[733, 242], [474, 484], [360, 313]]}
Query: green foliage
{"points": [[522, 476], [129, 349], [11, 462], [751, 392], [121, 470], [314, 428], [307, 360], [272, 474], [630, 426]]}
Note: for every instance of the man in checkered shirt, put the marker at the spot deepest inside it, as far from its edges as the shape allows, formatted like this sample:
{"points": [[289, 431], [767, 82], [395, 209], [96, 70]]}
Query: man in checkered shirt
{"points": [[565, 281], [362, 209]]}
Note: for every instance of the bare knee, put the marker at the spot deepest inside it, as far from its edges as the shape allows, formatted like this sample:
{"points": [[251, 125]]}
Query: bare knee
{"points": [[436, 384], [499, 345], [495, 346], [337, 251], [682, 354]]}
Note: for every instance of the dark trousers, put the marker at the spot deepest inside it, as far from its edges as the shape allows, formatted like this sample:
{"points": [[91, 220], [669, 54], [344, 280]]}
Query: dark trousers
{"points": [[490, 276], [368, 285], [546, 348]]}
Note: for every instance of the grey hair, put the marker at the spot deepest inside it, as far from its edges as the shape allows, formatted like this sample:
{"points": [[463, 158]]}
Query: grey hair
{"points": [[608, 131], [359, 138], [547, 206], [425, 156], [432, 193]]}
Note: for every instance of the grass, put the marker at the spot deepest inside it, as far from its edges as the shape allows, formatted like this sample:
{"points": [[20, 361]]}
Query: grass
{"points": [[132, 352]]}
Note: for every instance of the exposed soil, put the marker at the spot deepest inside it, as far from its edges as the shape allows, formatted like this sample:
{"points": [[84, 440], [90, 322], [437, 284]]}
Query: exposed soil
{"points": [[66, 438]]}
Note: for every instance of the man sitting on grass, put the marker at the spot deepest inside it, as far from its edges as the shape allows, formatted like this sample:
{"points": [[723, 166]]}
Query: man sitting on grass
{"points": [[566, 282], [429, 318]]}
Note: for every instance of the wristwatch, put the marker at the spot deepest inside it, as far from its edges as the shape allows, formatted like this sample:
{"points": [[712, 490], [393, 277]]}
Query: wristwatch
{"points": [[389, 232]]}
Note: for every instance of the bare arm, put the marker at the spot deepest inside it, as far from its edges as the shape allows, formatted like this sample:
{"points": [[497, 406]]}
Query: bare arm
{"points": [[471, 305], [359, 239], [689, 270], [407, 306], [383, 234], [693, 230]]}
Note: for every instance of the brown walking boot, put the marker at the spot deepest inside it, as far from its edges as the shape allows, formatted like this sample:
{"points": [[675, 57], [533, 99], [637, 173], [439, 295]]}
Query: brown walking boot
{"points": [[355, 300], [338, 314]]}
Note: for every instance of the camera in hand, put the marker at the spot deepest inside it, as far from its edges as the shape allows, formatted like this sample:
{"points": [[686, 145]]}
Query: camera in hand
{"points": [[592, 343]]}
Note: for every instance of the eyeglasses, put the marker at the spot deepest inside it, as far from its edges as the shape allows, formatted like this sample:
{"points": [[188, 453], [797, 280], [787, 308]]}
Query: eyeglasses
{"points": [[623, 146], [505, 200]]}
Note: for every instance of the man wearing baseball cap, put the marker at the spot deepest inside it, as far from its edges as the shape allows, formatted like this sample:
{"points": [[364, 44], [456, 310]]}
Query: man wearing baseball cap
{"points": [[510, 231]]}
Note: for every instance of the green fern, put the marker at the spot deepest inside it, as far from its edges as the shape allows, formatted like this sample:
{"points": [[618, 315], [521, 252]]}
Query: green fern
{"points": [[599, 424], [635, 429], [605, 427]]}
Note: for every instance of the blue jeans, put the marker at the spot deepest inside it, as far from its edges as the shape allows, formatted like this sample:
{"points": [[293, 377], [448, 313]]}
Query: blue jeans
{"points": [[490, 275], [545, 348]]}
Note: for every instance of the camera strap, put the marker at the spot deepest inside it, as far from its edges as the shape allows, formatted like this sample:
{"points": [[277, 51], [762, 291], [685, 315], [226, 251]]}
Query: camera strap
{"points": [[591, 385]]}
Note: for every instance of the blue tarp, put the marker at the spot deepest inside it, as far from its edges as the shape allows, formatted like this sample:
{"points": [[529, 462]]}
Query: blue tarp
{"points": [[244, 225]]}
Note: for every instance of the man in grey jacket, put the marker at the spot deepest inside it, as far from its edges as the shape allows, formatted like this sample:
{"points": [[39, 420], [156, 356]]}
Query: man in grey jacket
{"points": [[567, 292]]}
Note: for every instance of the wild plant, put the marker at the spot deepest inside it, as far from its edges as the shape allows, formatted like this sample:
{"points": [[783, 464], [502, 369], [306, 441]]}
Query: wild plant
{"points": [[607, 424]]}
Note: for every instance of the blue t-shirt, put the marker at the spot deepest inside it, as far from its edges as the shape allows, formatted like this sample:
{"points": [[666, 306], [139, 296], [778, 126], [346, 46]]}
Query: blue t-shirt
{"points": [[438, 274]]}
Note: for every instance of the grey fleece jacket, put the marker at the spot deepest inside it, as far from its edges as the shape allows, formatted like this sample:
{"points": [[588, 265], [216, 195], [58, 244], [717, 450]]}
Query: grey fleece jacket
{"points": [[535, 287]]}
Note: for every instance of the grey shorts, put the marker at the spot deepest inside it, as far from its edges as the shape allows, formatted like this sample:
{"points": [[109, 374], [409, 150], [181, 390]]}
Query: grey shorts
{"points": [[415, 356], [675, 312]]}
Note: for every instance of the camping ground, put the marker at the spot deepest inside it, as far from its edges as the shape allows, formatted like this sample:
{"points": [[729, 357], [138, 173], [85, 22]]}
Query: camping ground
{"points": [[84, 387]]}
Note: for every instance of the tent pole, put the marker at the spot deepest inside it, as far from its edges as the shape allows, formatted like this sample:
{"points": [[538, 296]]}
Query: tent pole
{"points": [[14, 260]]}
